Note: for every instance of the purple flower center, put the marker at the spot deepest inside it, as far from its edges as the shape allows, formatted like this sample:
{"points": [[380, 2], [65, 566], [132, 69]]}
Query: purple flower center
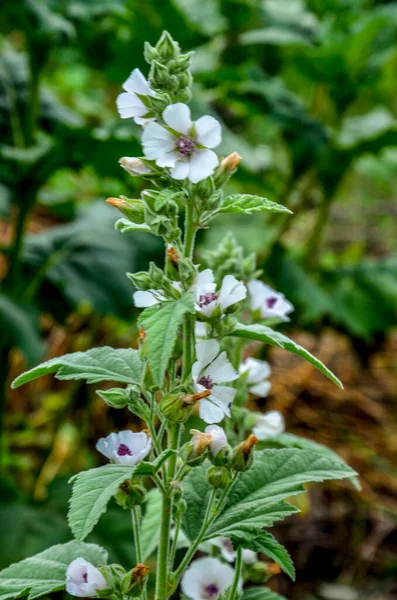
{"points": [[85, 577], [185, 145], [206, 382], [206, 299], [270, 302], [123, 450], [227, 544], [211, 591]]}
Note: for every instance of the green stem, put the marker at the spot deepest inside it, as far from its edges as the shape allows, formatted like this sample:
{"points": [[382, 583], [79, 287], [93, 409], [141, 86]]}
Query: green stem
{"points": [[162, 591], [136, 519], [188, 323], [175, 542], [237, 574]]}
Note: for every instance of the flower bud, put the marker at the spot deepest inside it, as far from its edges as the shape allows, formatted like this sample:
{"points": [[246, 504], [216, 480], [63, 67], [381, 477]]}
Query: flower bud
{"points": [[135, 166], [242, 456], [182, 63], [159, 74], [115, 398], [205, 188], [179, 508], [132, 209], [184, 95], [199, 443], [226, 169], [131, 493], [175, 409], [222, 457], [218, 477], [260, 571], [150, 53], [166, 47], [134, 580]]}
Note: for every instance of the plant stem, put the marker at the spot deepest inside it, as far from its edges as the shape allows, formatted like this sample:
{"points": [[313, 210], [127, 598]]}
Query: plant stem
{"points": [[136, 519], [237, 574], [162, 591], [188, 323]]}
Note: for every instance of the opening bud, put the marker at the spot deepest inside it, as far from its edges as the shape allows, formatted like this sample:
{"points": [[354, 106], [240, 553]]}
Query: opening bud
{"points": [[135, 166], [132, 209], [135, 580], [226, 169], [175, 409], [131, 493], [242, 456], [199, 443], [166, 47], [218, 477]]}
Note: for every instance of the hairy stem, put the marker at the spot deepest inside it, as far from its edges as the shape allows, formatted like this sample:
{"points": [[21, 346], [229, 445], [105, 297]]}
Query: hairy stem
{"points": [[237, 574], [136, 520]]}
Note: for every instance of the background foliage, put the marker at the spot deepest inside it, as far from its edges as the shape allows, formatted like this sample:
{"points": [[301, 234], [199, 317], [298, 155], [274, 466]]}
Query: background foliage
{"points": [[306, 93]]}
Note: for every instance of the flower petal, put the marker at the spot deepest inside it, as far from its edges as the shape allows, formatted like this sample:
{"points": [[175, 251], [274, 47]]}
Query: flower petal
{"points": [[167, 160], [145, 299], [210, 412], [129, 105], [269, 425], [223, 396], [221, 369], [202, 164], [208, 131], [232, 291], [177, 116], [181, 170], [206, 351], [261, 389], [137, 84], [157, 141]]}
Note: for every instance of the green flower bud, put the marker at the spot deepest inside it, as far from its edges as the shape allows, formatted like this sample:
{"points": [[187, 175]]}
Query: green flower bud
{"points": [[205, 188], [150, 53], [243, 455], [160, 102], [174, 409], [187, 271], [182, 63], [113, 575], [185, 80], [184, 95], [132, 209], [141, 280], [178, 508], [115, 398], [131, 493], [166, 46], [222, 457], [218, 477], [159, 74]]}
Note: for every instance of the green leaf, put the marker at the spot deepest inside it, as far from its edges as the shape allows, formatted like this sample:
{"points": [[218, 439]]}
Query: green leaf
{"points": [[150, 527], [97, 364], [248, 204], [161, 323], [45, 573], [260, 593], [92, 491], [125, 226], [266, 543], [262, 333]]}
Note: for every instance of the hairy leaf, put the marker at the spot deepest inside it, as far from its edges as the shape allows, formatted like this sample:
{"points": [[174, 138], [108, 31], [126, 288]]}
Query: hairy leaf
{"points": [[97, 364], [262, 333], [125, 226], [161, 323], [45, 573], [266, 543], [248, 204]]}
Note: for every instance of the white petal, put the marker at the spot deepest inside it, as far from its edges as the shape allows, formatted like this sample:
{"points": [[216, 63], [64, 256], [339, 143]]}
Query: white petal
{"points": [[224, 396], [221, 370], [157, 141], [129, 105], [232, 291], [249, 556], [181, 170], [206, 351], [167, 160], [219, 439], [202, 164], [261, 389], [200, 330], [145, 299], [177, 116], [210, 412], [208, 131], [137, 84], [204, 280], [257, 370], [269, 425], [257, 290]]}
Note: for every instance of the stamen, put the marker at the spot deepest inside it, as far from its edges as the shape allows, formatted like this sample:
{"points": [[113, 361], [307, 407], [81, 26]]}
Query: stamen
{"points": [[211, 591], [123, 450], [85, 577], [185, 145], [206, 382], [206, 299], [270, 302]]}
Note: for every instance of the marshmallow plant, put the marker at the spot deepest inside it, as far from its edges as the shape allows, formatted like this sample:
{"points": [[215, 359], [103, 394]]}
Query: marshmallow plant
{"points": [[220, 486]]}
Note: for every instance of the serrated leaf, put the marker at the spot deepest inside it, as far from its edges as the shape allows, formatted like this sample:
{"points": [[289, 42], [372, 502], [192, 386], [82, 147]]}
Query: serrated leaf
{"points": [[45, 573], [125, 226], [92, 491], [266, 543], [260, 593], [150, 526], [262, 333], [98, 364], [161, 323], [249, 204]]}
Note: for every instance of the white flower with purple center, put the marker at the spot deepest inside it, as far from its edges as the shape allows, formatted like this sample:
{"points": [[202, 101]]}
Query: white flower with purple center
{"points": [[83, 579], [211, 369], [229, 553], [269, 425], [132, 103], [206, 579], [183, 145], [268, 302], [208, 299], [125, 447], [257, 373], [218, 439]]}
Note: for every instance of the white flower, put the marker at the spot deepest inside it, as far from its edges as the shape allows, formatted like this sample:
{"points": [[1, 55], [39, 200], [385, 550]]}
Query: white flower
{"points": [[125, 447], [214, 437], [130, 103], [209, 370], [200, 330], [152, 297], [183, 145], [269, 302], [249, 556], [134, 166], [206, 579], [83, 579], [269, 425], [208, 299], [257, 373], [226, 547]]}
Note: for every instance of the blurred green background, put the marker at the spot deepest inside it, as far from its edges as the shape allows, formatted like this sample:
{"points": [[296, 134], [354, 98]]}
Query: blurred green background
{"points": [[306, 92]]}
